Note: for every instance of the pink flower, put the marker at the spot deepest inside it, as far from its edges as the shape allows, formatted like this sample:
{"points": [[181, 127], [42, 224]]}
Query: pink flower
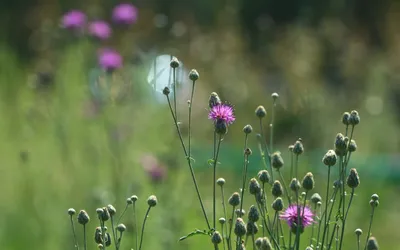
{"points": [[110, 60], [290, 215], [125, 13], [74, 19], [222, 112], [100, 30]]}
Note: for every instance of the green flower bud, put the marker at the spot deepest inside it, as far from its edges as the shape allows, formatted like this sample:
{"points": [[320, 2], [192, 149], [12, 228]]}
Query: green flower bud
{"points": [[277, 160], [277, 189], [71, 211], [275, 96], [294, 185], [251, 228], [247, 129], [216, 238], [220, 182], [222, 220], [111, 210], [329, 158], [254, 186], [354, 118], [277, 205], [152, 201], [308, 181], [372, 244], [353, 180], [375, 197], [166, 91], [358, 231], [263, 176], [240, 227], [261, 112], [121, 228], [352, 146], [214, 100], [193, 75], [83, 217], [174, 62], [346, 118], [341, 144], [315, 198], [234, 200], [221, 127], [298, 147], [253, 214], [134, 198]]}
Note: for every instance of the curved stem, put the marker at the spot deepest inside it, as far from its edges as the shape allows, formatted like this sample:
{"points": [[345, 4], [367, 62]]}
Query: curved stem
{"points": [[174, 79], [113, 232], [284, 186], [123, 212], [144, 223], [326, 207], [189, 164], [73, 232], [370, 225], [265, 149], [190, 122]]}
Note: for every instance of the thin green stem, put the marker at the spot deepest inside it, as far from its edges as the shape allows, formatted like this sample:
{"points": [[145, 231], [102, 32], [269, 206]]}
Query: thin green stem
{"points": [[144, 223], [252, 239], [326, 207], [358, 242], [84, 237], [223, 233], [189, 163], [271, 126], [244, 175], [264, 221], [370, 226], [297, 241], [190, 122], [345, 217], [135, 225], [113, 232], [280, 226], [216, 247], [230, 229], [73, 232], [103, 233], [296, 166], [214, 181], [174, 87], [123, 213], [291, 165], [284, 186], [265, 149], [224, 208], [313, 225]]}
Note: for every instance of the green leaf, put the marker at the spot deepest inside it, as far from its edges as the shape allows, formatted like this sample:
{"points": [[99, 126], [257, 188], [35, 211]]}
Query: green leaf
{"points": [[195, 232]]}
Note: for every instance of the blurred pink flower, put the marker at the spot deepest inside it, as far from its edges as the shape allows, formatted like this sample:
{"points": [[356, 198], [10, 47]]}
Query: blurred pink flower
{"points": [[99, 29], [74, 19], [110, 59], [155, 170], [125, 13]]}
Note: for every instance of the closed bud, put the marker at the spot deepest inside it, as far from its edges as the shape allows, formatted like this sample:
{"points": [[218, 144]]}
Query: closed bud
{"points": [[134, 198], [107, 237], [266, 244], [152, 201], [291, 147], [100, 246], [374, 203], [240, 227], [372, 244], [261, 112], [104, 215], [193, 75], [353, 180], [83, 217], [263, 176], [358, 231], [354, 118], [220, 182], [341, 144], [294, 185], [248, 151], [234, 200], [277, 189], [337, 184], [258, 242], [352, 146], [374, 197], [240, 212], [253, 214], [247, 129], [329, 158], [309, 248], [174, 62], [308, 181], [121, 228], [346, 118], [166, 91], [111, 209], [221, 127], [298, 147], [98, 236], [277, 160], [129, 201], [214, 100], [222, 220], [254, 186], [277, 205], [315, 198], [71, 211], [251, 228], [275, 96], [216, 238]]}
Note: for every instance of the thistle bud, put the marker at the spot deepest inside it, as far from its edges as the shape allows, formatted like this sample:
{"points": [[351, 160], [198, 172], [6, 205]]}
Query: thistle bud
{"points": [[240, 212], [352, 146], [111, 210], [134, 198], [341, 144], [354, 118], [290, 148], [374, 197], [346, 118], [214, 100], [294, 185], [337, 184], [83, 217], [251, 228], [374, 203], [98, 235], [263, 176], [216, 238], [277, 160], [174, 62], [121, 228], [193, 75], [247, 129], [261, 112], [220, 182], [372, 244], [240, 227], [71, 212], [248, 151], [298, 147], [309, 248], [222, 220], [266, 244], [258, 242], [100, 246], [308, 181], [253, 214], [353, 180], [234, 200], [254, 186], [319, 204], [221, 127], [329, 158], [275, 96], [103, 214], [129, 201], [358, 231], [107, 237], [166, 91], [315, 198], [277, 189], [152, 201], [277, 205]]}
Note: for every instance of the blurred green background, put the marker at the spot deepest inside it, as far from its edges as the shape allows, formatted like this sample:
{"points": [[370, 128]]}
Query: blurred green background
{"points": [[62, 148]]}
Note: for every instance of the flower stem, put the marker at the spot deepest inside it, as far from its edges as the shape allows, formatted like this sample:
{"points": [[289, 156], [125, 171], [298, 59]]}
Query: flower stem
{"points": [[174, 87], [326, 207], [230, 229], [370, 225], [135, 225], [189, 163], [265, 149], [297, 241], [244, 174], [214, 180], [123, 213], [190, 122], [113, 232], [224, 208], [84, 237], [358, 242], [223, 234], [345, 217], [284, 186], [144, 223], [74, 234]]}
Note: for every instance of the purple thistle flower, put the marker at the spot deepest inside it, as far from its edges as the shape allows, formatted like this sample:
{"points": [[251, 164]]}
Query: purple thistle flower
{"points": [[222, 112], [290, 215], [99, 29], [110, 60], [125, 13], [74, 19], [154, 169]]}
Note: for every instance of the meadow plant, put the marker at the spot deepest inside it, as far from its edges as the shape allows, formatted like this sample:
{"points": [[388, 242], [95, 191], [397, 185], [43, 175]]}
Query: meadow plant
{"points": [[276, 197]]}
